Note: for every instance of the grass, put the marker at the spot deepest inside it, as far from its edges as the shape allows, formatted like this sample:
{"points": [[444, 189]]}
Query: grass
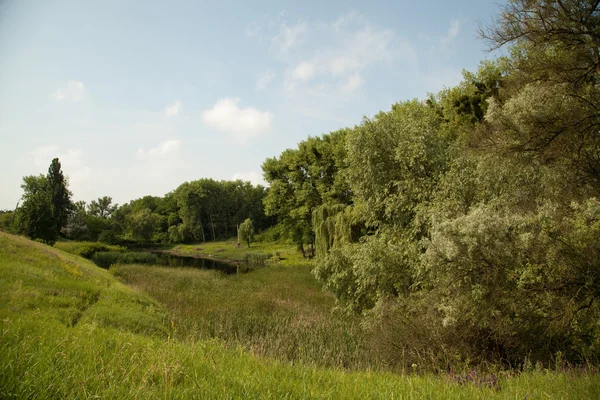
{"points": [[69, 329], [229, 250], [87, 249], [277, 311]]}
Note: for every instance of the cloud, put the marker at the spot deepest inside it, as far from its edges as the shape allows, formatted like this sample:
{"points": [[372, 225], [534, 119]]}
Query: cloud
{"points": [[253, 177], [72, 165], [265, 79], [73, 91], [160, 161], [243, 123], [288, 36], [162, 151], [304, 71], [333, 55], [173, 109], [353, 83], [447, 40]]}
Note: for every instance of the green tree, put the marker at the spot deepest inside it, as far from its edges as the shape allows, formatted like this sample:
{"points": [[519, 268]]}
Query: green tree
{"points": [[246, 232], [60, 196], [77, 227], [34, 217], [7, 219], [303, 179], [553, 107], [103, 207]]}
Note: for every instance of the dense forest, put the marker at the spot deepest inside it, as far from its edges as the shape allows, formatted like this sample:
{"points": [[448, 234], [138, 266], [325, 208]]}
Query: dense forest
{"points": [[464, 228]]}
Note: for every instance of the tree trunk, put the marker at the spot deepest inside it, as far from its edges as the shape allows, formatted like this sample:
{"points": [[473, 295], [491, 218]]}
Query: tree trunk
{"points": [[212, 227], [201, 229]]}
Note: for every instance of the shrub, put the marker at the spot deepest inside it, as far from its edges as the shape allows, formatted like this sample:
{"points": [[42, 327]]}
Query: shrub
{"points": [[88, 250]]}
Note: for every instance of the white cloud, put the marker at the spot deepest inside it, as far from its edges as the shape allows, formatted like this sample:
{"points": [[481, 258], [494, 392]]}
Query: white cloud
{"points": [[353, 83], [265, 79], [243, 123], [164, 150], [303, 71], [451, 35], [253, 177], [173, 109], [73, 91]]}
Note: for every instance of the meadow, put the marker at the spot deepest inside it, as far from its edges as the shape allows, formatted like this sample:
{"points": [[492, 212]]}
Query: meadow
{"points": [[69, 329]]}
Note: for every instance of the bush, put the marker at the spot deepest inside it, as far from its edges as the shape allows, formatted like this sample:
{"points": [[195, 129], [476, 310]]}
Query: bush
{"points": [[108, 237], [272, 234], [88, 250]]}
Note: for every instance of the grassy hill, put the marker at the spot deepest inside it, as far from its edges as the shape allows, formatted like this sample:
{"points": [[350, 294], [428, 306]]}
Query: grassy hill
{"points": [[69, 329]]}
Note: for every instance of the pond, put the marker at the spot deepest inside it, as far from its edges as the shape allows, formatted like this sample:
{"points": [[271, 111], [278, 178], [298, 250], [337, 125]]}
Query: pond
{"points": [[105, 259]]}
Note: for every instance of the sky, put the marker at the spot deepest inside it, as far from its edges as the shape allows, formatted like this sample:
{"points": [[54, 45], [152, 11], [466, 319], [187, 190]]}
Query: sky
{"points": [[137, 97]]}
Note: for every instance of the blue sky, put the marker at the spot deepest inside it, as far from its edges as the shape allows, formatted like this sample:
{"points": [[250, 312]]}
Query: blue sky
{"points": [[137, 97]]}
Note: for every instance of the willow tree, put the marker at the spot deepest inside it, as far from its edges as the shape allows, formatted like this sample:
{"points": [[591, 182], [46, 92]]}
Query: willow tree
{"points": [[246, 232]]}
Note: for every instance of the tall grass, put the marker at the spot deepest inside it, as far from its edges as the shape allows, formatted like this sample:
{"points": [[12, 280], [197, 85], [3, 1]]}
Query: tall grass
{"points": [[278, 312]]}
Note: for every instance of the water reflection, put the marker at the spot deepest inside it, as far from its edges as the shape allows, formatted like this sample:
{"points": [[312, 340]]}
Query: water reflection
{"points": [[172, 260]]}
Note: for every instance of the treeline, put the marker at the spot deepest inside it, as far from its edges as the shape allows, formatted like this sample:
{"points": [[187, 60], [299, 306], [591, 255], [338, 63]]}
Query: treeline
{"points": [[200, 210], [465, 227]]}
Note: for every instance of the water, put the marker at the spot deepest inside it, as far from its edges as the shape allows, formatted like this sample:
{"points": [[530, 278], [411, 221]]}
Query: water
{"points": [[173, 260]]}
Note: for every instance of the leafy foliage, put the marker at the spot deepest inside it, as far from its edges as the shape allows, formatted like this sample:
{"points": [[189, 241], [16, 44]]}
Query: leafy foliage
{"points": [[246, 232]]}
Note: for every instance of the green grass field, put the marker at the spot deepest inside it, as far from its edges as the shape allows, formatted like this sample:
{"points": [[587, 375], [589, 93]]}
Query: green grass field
{"points": [[69, 329], [228, 250]]}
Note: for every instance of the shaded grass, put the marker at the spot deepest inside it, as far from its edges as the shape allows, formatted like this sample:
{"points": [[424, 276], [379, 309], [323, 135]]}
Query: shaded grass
{"points": [[121, 346]]}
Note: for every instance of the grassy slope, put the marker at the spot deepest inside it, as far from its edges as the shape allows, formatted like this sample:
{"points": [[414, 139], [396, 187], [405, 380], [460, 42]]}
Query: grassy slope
{"points": [[69, 329]]}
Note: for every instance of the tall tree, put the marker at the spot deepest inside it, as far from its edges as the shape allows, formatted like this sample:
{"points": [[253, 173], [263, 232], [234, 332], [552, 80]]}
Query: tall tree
{"points": [[60, 196]]}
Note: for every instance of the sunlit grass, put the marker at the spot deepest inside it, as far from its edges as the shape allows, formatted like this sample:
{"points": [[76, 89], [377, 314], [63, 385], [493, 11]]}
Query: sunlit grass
{"points": [[282, 253]]}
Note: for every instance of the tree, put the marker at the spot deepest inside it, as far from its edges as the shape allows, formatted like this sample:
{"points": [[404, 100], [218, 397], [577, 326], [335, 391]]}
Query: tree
{"points": [[60, 196], [303, 179], [246, 232], [102, 207], [76, 227], [34, 217], [554, 85], [7, 218]]}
